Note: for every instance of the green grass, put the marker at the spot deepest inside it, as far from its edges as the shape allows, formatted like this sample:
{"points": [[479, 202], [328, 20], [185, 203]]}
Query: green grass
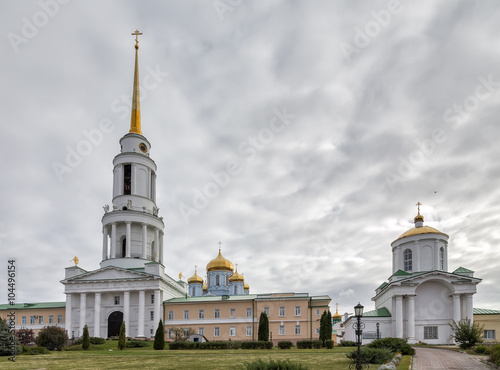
{"points": [[405, 363], [100, 357]]}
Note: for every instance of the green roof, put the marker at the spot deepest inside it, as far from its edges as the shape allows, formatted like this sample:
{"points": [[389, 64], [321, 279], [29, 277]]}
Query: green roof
{"points": [[211, 298], [21, 306], [401, 273], [482, 311], [462, 270], [381, 312], [382, 286]]}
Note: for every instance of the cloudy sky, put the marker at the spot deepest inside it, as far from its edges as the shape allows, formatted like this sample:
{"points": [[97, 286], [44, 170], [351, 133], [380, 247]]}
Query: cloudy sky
{"points": [[335, 118]]}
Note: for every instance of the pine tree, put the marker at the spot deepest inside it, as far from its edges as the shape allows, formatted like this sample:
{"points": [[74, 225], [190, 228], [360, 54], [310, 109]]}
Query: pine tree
{"points": [[121, 338], [328, 326], [322, 328], [263, 334], [159, 337], [86, 338], [6, 339]]}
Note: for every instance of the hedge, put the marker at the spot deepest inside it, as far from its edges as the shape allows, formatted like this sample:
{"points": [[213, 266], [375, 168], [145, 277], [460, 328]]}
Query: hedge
{"points": [[372, 355], [206, 345], [394, 345], [256, 345], [309, 344], [285, 344], [329, 344]]}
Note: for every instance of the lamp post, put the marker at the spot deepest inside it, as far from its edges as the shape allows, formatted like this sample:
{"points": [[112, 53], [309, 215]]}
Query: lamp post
{"points": [[378, 331], [358, 327]]}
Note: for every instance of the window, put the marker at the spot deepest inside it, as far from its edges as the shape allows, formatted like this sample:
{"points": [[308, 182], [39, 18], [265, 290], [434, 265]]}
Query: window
{"points": [[249, 331], [152, 299], [217, 280], [151, 332], [297, 311], [232, 331], [369, 335], [489, 334], [430, 332], [127, 178], [216, 331], [225, 279], [233, 313], [59, 319], [297, 329], [266, 310], [152, 315], [235, 290], [282, 329], [186, 315], [193, 291], [117, 299], [170, 333], [282, 311], [317, 331], [186, 332], [217, 313], [51, 319], [441, 258], [124, 247], [23, 320], [407, 260], [40, 319], [201, 314], [201, 331], [32, 320], [170, 315], [249, 312], [317, 311]]}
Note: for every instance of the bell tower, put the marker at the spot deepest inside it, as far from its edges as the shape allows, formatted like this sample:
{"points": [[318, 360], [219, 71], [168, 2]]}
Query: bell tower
{"points": [[132, 229]]}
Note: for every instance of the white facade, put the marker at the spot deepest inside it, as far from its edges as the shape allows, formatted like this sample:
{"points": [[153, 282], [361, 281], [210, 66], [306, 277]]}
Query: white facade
{"points": [[421, 298]]}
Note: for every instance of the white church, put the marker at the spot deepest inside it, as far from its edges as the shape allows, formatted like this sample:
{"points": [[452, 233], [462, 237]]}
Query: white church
{"points": [[421, 297], [130, 285]]}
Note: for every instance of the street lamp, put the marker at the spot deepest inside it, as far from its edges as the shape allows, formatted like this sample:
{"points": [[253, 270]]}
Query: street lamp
{"points": [[358, 328], [378, 331]]}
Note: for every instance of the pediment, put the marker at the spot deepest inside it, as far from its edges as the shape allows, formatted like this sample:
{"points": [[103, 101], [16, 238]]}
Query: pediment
{"points": [[110, 273]]}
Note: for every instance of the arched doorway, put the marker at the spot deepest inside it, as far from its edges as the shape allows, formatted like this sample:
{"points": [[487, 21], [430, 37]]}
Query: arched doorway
{"points": [[115, 320]]}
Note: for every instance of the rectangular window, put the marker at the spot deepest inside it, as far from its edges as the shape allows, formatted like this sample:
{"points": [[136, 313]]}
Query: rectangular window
{"points": [[317, 331], [217, 313], [59, 319], [216, 332], [297, 329], [201, 314], [282, 329], [266, 311], [233, 313], [152, 299], [282, 311], [186, 332], [152, 315], [23, 320], [151, 332], [317, 311], [127, 178], [51, 319], [232, 331], [117, 299], [249, 331], [170, 315], [40, 319], [186, 315], [489, 334], [201, 331], [170, 333], [430, 332], [297, 311], [32, 320], [249, 312]]}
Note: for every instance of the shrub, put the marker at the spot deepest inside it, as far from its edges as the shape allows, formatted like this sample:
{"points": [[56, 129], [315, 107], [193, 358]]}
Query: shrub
{"points": [[495, 355], [37, 350], [6, 339], [256, 345], [372, 355], [466, 333], [285, 344], [121, 337], [136, 344], [394, 345], [86, 338], [93, 340], [482, 349], [182, 345], [25, 336], [347, 343], [159, 343], [52, 337], [329, 344], [263, 333], [234, 345], [309, 344], [274, 365]]}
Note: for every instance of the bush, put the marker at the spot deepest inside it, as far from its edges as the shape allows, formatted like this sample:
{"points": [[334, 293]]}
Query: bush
{"points": [[263, 331], [182, 345], [309, 344], [329, 344], [372, 355], [466, 333], [136, 344], [86, 338], [347, 343], [482, 350], [7, 338], [274, 365], [121, 337], [37, 350], [25, 336], [93, 340], [52, 337], [285, 344], [256, 345], [394, 345], [495, 355], [159, 343]]}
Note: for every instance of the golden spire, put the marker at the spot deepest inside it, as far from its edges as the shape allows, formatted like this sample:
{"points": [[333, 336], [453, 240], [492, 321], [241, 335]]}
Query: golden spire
{"points": [[419, 217], [135, 121]]}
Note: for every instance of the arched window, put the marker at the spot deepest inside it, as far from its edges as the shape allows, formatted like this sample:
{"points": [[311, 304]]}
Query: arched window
{"points": [[153, 250], [235, 290], [407, 259], [226, 280], [217, 280], [124, 247], [127, 179], [441, 258]]}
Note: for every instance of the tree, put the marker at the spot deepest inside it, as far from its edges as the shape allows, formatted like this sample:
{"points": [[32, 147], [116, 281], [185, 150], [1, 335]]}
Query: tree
{"points": [[181, 334], [25, 336], [328, 328], [263, 333], [7, 338], [323, 334], [466, 333], [52, 337], [159, 337], [86, 338], [121, 337]]}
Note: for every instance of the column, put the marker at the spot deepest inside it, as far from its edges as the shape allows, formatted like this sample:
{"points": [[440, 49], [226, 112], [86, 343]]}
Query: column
{"points": [[133, 183], [469, 311], [157, 244], [144, 240], [157, 306], [456, 308], [416, 257], [435, 263], [97, 315], [126, 312], [104, 243], [127, 237], [411, 317], [68, 315], [160, 247], [140, 330], [399, 316], [83, 312], [113, 240]]}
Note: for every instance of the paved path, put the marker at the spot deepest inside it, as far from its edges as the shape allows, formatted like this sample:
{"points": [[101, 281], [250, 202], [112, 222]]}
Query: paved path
{"points": [[443, 359]]}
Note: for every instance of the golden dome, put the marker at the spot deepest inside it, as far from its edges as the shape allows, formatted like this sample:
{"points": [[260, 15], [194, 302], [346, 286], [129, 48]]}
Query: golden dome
{"points": [[205, 286], [246, 286], [421, 230], [220, 263], [195, 279], [236, 277]]}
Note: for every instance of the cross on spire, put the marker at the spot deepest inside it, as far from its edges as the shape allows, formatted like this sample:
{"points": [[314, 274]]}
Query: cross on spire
{"points": [[195, 268], [136, 34], [418, 207], [220, 243]]}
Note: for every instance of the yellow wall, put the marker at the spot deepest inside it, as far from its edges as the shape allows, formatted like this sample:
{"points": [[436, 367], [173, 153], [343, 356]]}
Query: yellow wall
{"points": [[490, 322], [39, 313]]}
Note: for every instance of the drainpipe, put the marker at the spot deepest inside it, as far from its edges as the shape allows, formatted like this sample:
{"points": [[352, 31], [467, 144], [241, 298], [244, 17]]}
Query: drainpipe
{"points": [[253, 320], [310, 317]]}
